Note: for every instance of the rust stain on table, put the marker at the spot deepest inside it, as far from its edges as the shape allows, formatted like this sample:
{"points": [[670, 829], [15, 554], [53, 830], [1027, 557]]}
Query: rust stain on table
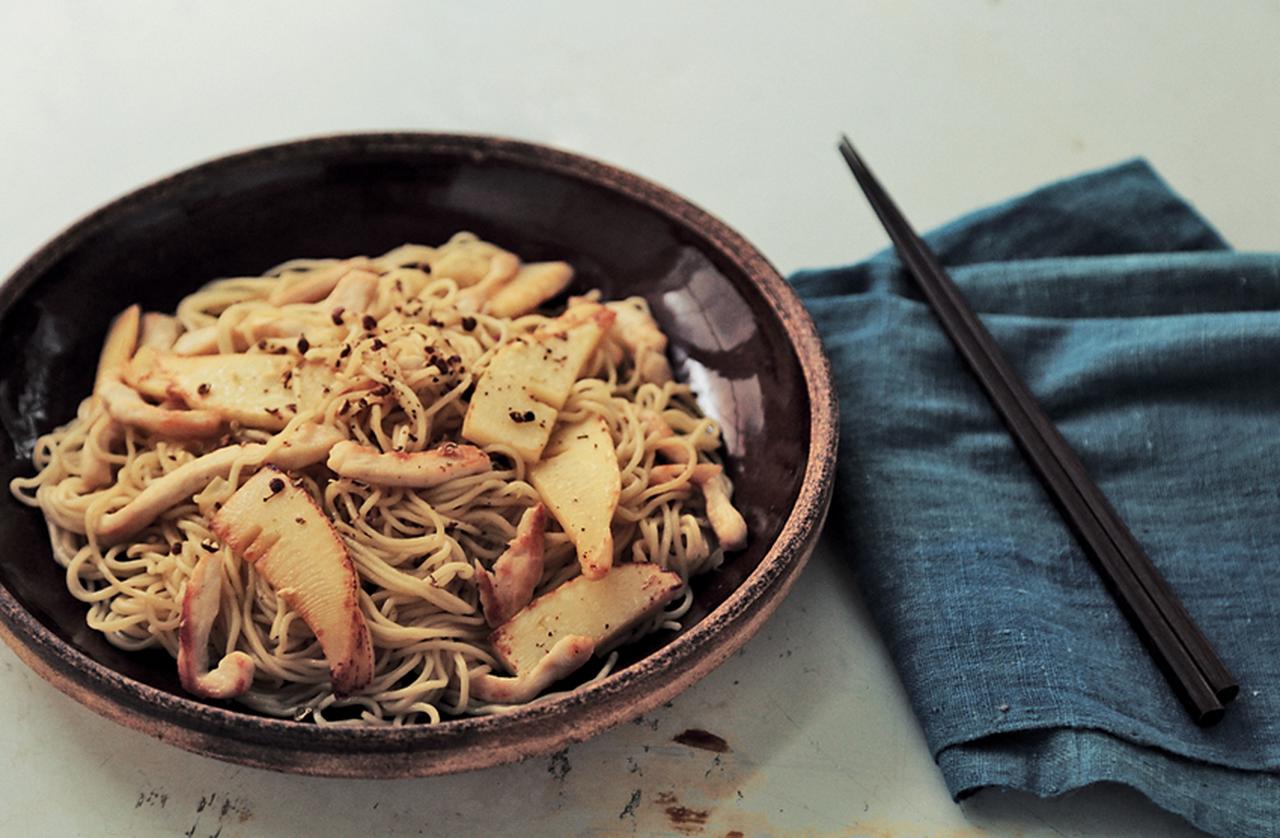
{"points": [[698, 738]]}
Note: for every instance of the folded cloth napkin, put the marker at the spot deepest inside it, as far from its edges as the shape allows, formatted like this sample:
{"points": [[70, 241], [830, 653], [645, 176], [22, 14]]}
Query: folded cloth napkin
{"points": [[1156, 351]]}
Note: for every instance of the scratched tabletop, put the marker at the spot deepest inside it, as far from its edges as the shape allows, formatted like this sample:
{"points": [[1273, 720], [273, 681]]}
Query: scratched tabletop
{"points": [[737, 106], [801, 733]]}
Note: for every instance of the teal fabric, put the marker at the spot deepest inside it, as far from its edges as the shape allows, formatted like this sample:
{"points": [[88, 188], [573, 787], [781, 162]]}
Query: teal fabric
{"points": [[1155, 348]]}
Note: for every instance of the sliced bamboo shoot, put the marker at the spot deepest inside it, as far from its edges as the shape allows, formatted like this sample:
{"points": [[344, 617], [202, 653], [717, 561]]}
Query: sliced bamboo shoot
{"points": [[528, 381], [279, 529], [256, 390], [504, 411], [559, 351], [580, 484], [602, 610]]}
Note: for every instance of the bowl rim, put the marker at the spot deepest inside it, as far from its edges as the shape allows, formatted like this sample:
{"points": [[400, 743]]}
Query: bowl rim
{"points": [[479, 741]]}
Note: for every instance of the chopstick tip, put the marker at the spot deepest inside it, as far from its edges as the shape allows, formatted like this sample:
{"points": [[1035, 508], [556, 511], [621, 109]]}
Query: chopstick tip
{"points": [[851, 157]]}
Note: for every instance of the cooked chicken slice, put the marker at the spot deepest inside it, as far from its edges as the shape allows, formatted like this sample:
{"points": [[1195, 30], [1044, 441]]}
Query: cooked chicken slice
{"points": [[234, 673], [278, 528], [103, 434], [165, 492], [202, 341], [355, 292], [567, 655], [653, 366], [159, 331], [701, 473], [503, 268], [636, 327], [600, 610], [726, 522], [533, 285], [468, 260], [268, 324], [118, 347], [310, 445], [639, 333], [254, 327], [404, 256], [418, 470], [127, 407], [313, 285], [663, 437], [301, 446], [509, 586]]}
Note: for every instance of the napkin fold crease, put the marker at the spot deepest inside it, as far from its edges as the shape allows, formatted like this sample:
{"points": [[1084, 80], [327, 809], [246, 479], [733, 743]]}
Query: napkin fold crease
{"points": [[1155, 348]]}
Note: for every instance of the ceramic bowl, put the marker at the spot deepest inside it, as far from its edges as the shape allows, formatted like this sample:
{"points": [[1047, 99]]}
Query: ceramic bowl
{"points": [[738, 335]]}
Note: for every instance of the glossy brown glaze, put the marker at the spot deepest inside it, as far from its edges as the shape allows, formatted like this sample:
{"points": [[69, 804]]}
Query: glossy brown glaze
{"points": [[738, 335]]}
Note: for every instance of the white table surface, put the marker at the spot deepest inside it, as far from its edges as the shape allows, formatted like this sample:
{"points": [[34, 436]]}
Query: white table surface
{"points": [[736, 106]]}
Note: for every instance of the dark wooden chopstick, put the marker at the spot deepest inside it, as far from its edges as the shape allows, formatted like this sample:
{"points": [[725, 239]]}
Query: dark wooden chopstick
{"points": [[1195, 671]]}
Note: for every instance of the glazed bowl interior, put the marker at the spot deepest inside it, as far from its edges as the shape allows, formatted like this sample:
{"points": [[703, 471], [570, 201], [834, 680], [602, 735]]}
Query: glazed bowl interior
{"points": [[731, 338]]}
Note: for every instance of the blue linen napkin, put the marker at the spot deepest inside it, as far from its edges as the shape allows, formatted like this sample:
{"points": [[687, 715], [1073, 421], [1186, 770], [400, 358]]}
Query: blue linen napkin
{"points": [[1156, 350]]}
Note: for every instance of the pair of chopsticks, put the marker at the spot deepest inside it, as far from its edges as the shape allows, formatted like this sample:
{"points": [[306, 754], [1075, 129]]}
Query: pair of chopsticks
{"points": [[1194, 670]]}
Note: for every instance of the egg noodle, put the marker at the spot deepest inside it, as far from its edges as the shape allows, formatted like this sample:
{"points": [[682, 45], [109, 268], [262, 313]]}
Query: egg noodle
{"points": [[400, 376]]}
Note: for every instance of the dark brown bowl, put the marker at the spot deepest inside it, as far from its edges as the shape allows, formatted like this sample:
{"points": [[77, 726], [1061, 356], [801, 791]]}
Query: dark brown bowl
{"points": [[738, 334]]}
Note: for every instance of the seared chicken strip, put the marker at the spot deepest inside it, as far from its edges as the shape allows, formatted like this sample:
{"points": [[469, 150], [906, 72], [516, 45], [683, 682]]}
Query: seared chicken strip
{"points": [[502, 269], [639, 333], [127, 407], [415, 470], [234, 673], [509, 586], [567, 655], [159, 331], [306, 446], [532, 286], [355, 292], [726, 522], [314, 285]]}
